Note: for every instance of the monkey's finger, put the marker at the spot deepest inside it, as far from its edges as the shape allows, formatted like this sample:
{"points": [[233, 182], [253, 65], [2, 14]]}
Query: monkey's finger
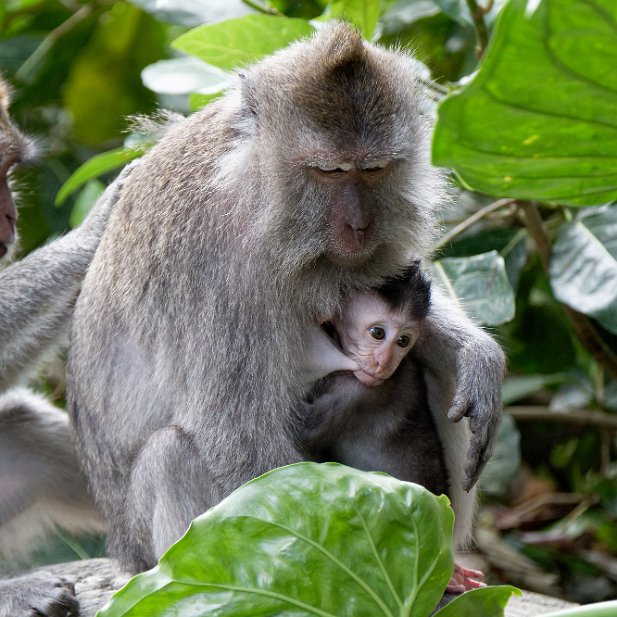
{"points": [[477, 457], [459, 410]]}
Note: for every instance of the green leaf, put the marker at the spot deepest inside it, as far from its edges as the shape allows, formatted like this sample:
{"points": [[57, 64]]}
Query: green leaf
{"points": [[194, 12], [104, 84], [519, 387], [237, 42], [539, 120], [583, 265], [456, 9], [403, 13], [87, 198], [480, 283], [364, 14], [95, 167], [484, 601], [503, 466], [183, 76], [198, 101], [306, 539]]}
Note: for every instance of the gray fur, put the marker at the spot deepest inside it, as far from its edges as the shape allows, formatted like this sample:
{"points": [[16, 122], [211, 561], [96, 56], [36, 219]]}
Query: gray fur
{"points": [[184, 354], [41, 484], [38, 293], [38, 595], [386, 428]]}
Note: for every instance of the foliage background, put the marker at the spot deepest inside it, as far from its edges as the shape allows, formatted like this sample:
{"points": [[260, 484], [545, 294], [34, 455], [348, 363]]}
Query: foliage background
{"points": [[532, 252]]}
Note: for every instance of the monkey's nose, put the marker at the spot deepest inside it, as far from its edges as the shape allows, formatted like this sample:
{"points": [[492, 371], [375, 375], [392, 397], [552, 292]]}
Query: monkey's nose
{"points": [[359, 235]]}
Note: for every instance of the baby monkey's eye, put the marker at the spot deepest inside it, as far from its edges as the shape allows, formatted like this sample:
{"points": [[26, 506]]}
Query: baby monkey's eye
{"points": [[403, 340], [377, 332]]}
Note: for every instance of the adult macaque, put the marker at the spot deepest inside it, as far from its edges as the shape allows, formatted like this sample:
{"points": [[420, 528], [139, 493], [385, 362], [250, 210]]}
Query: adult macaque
{"points": [[307, 182], [378, 417]]}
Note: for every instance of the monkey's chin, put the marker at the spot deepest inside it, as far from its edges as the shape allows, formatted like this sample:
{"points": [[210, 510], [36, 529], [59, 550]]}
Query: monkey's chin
{"points": [[350, 259], [367, 379]]}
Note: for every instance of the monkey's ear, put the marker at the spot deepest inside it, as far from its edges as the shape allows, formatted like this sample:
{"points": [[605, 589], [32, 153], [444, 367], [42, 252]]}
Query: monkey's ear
{"points": [[249, 100], [248, 106]]}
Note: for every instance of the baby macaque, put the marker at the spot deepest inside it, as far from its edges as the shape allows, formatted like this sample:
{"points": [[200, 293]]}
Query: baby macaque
{"points": [[372, 411]]}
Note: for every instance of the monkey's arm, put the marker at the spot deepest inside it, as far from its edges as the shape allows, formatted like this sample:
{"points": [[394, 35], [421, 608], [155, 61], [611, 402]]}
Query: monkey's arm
{"points": [[322, 357], [466, 362], [37, 294]]}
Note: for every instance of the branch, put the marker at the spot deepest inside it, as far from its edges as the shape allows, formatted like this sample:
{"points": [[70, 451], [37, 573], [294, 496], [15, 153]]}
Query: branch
{"points": [[55, 35], [583, 327], [477, 15], [474, 218], [580, 417], [262, 8]]}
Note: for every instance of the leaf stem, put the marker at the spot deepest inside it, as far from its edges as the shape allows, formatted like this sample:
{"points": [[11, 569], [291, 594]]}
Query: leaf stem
{"points": [[474, 218], [262, 8], [583, 327], [477, 15], [580, 417], [23, 74]]}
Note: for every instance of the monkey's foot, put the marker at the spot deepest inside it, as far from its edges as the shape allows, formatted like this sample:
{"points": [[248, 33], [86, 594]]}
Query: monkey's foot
{"points": [[39, 594], [464, 579]]}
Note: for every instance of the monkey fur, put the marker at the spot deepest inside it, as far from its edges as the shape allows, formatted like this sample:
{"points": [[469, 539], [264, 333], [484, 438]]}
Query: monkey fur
{"points": [[309, 180]]}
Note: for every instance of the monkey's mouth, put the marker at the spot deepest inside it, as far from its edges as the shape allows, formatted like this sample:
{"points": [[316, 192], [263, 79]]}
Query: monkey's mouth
{"points": [[351, 259], [368, 379], [4, 249]]}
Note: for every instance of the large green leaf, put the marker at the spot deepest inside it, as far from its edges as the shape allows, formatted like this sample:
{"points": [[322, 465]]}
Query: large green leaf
{"points": [[539, 120], [306, 539], [480, 283], [237, 42], [583, 265]]}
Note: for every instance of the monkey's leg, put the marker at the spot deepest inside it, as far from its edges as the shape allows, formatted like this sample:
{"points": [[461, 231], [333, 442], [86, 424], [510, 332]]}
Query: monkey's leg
{"points": [[41, 484], [168, 489]]}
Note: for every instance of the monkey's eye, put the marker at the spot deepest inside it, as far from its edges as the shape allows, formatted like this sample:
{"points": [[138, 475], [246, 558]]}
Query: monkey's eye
{"points": [[403, 341], [337, 169], [377, 332], [375, 166]]}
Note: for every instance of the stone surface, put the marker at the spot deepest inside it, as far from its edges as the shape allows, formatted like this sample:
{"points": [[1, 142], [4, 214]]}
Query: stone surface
{"points": [[96, 580]]}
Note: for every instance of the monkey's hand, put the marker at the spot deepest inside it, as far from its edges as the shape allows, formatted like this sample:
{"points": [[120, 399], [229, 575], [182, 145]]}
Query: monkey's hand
{"points": [[480, 367]]}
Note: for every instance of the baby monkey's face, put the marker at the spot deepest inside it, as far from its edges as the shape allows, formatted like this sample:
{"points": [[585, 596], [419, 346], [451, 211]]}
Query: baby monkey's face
{"points": [[376, 336]]}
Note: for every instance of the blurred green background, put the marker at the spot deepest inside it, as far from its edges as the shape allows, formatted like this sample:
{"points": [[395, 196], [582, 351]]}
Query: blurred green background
{"points": [[529, 239]]}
